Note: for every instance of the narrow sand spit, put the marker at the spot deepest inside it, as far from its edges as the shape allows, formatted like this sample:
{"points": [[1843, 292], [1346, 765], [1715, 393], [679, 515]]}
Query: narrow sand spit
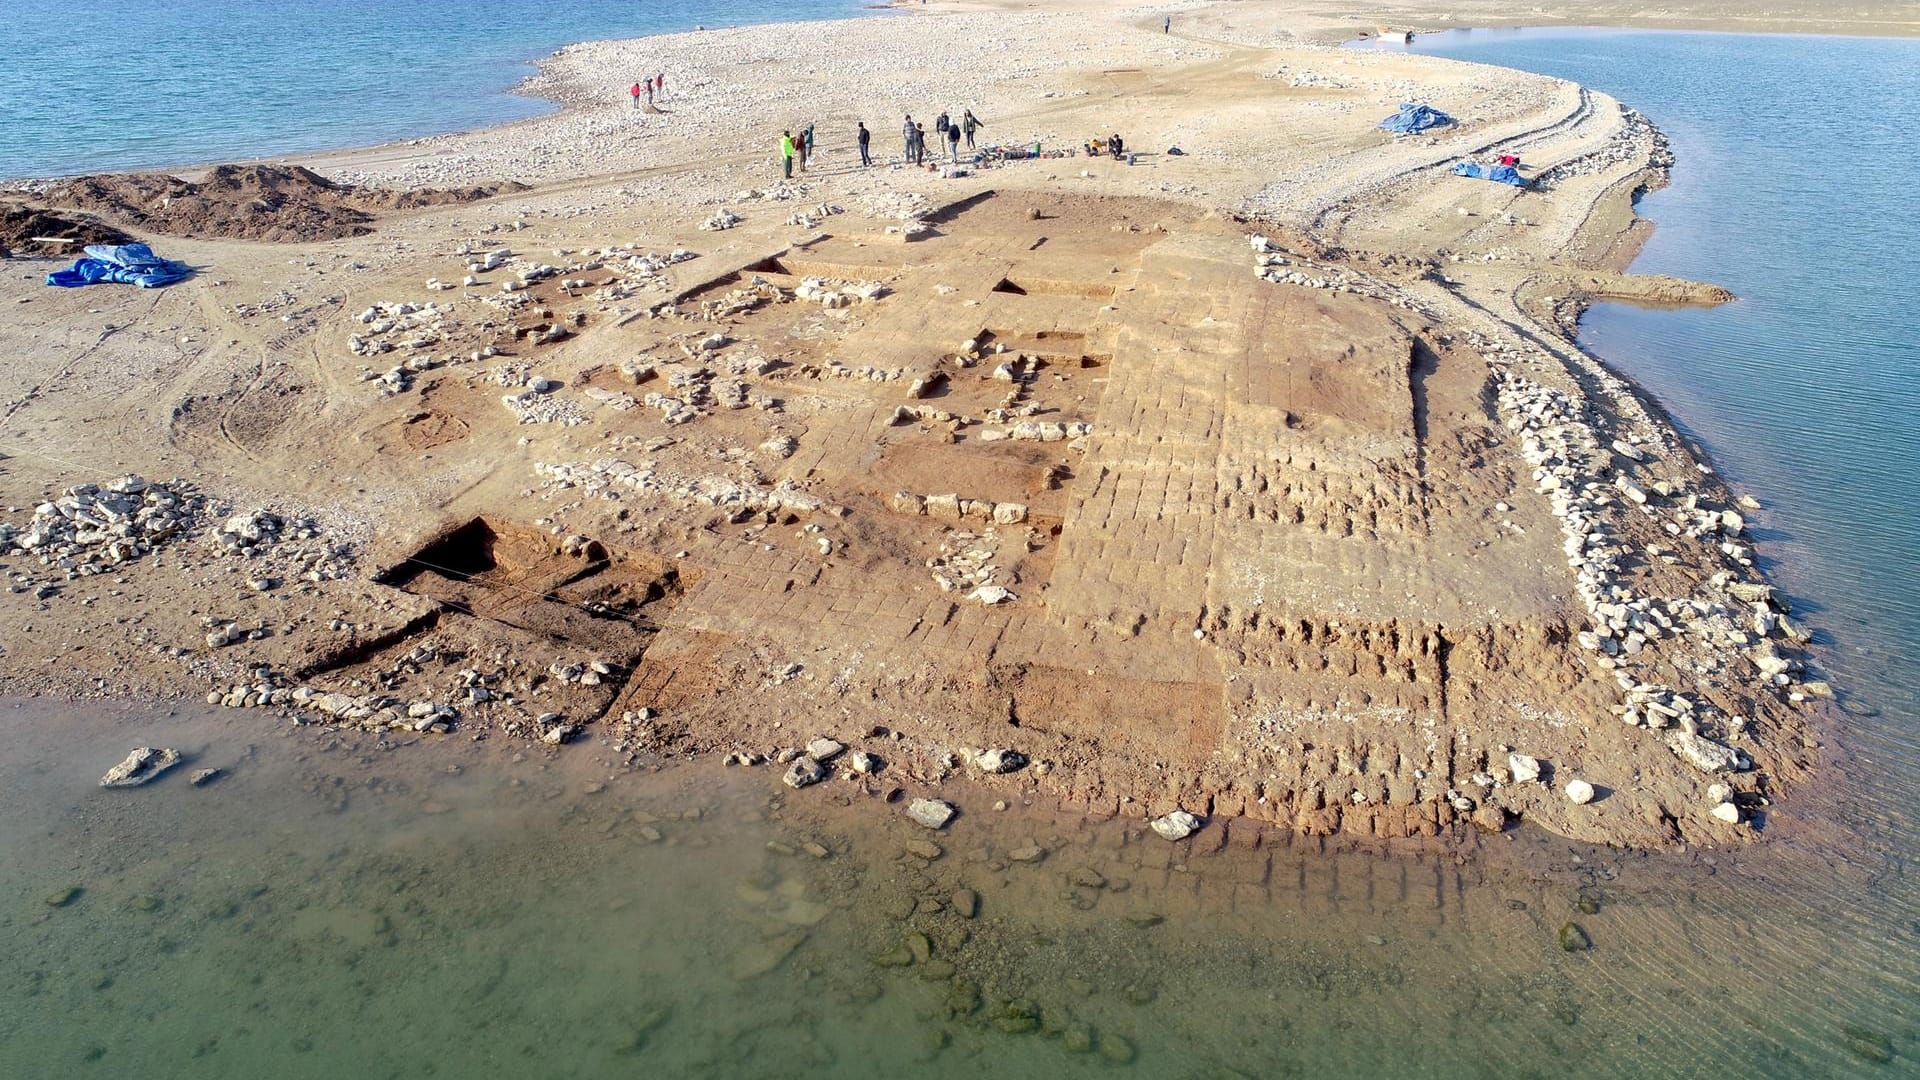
{"points": [[1261, 479]]}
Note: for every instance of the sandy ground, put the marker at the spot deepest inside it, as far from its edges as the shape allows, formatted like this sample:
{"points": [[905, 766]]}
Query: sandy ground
{"points": [[1260, 480]]}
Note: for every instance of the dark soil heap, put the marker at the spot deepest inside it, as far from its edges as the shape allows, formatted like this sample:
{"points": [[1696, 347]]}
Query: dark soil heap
{"points": [[278, 203], [21, 226]]}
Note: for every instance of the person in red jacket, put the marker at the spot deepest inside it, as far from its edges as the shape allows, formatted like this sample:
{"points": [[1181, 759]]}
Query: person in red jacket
{"points": [[636, 95]]}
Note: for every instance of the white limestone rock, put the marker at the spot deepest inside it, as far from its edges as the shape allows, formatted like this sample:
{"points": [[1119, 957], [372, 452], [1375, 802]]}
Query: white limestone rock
{"points": [[933, 813], [1177, 825], [1707, 755], [142, 766], [999, 761]]}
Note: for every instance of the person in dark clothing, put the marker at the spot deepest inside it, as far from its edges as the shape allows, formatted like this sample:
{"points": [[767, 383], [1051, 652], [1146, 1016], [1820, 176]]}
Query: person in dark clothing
{"points": [[970, 123], [806, 145], [940, 125], [864, 137], [919, 144], [906, 139], [1114, 148], [953, 143], [1167, 27]]}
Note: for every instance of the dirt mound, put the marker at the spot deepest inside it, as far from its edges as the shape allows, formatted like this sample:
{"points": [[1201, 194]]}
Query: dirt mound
{"points": [[21, 224], [278, 203]]}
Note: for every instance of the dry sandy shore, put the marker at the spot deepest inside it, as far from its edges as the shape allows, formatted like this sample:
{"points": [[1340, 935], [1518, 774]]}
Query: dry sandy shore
{"points": [[1261, 480]]}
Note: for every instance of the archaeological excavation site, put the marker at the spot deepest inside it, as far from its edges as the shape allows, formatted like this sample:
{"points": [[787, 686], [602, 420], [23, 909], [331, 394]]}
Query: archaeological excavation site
{"points": [[1143, 509]]}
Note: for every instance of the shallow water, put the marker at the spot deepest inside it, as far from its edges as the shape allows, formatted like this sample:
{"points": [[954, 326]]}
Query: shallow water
{"points": [[334, 908], [146, 83]]}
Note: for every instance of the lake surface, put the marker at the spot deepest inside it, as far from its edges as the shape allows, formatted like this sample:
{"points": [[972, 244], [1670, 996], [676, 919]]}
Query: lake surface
{"points": [[147, 83], [338, 905]]}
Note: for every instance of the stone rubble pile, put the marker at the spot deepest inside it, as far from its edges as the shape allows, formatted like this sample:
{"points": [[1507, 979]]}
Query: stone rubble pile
{"points": [[1695, 635], [965, 565], [610, 478], [1270, 265], [283, 550], [1040, 431], [835, 293], [91, 528], [538, 404], [813, 216], [721, 221], [1635, 140]]}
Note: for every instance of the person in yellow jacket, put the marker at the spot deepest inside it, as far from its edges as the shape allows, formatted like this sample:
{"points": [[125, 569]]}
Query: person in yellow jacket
{"points": [[786, 153]]}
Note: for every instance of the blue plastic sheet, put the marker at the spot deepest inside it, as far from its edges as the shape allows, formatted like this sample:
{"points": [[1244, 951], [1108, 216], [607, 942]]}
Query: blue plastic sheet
{"points": [[1412, 119], [123, 264], [1499, 174]]}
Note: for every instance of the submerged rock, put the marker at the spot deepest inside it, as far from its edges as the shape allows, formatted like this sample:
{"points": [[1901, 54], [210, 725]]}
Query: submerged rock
{"points": [[140, 767], [1573, 938], [1868, 1044]]}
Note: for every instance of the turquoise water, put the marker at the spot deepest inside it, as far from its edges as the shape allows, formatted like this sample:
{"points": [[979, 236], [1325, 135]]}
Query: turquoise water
{"points": [[144, 83], [339, 905], [1794, 187]]}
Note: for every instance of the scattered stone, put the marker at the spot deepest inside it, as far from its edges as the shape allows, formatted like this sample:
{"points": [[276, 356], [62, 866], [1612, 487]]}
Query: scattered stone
{"points": [[1707, 755], [1525, 769], [933, 813], [965, 903], [203, 777], [824, 749], [1579, 792], [1116, 1049], [804, 772], [864, 763], [1573, 938], [141, 766], [1176, 826], [1727, 812], [64, 897], [999, 761], [1029, 854], [1867, 1044], [923, 849]]}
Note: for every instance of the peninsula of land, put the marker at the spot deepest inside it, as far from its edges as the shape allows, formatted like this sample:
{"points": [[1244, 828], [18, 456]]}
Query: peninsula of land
{"points": [[1248, 473]]}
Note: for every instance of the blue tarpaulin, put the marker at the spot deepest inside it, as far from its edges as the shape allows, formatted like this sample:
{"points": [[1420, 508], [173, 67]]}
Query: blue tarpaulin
{"points": [[1414, 118], [1499, 174], [125, 264]]}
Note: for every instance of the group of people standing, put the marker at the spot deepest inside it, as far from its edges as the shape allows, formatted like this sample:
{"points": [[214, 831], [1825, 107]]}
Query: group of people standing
{"points": [[946, 129], [799, 148], [652, 87]]}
